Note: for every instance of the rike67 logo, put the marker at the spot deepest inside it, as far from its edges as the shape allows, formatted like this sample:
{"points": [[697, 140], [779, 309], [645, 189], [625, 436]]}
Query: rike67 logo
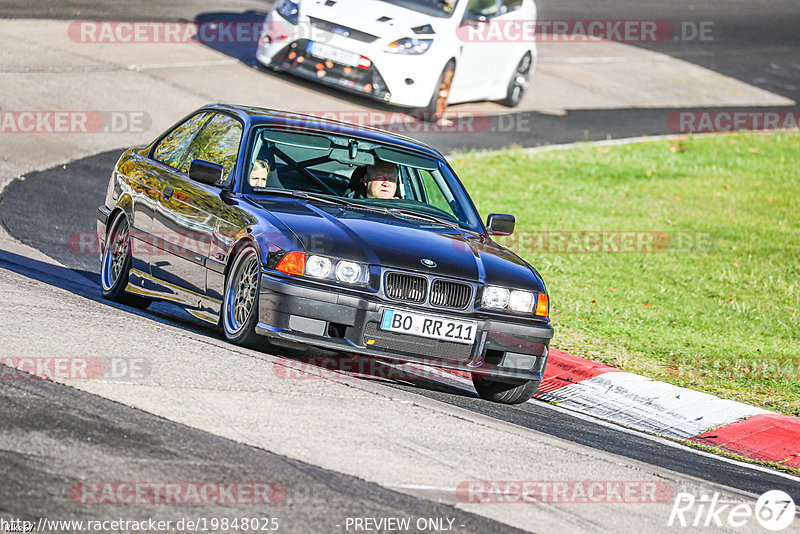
{"points": [[774, 511]]}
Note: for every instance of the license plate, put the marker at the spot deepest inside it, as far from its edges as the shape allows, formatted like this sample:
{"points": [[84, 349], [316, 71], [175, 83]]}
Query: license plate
{"points": [[338, 55], [430, 326]]}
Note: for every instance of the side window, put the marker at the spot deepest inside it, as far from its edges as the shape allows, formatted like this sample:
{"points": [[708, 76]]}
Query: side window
{"points": [[217, 143], [173, 147], [482, 8], [434, 194], [510, 5]]}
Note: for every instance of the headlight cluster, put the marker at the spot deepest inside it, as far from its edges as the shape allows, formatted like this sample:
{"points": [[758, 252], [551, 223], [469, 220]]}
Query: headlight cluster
{"points": [[324, 268], [514, 300], [410, 46], [289, 10]]}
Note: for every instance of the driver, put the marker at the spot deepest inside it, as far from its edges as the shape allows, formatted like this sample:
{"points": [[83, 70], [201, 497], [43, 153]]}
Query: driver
{"points": [[259, 173], [381, 180]]}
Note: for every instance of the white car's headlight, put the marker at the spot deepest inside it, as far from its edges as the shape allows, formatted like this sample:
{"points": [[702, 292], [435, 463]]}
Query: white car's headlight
{"points": [[410, 46], [514, 300], [289, 10]]}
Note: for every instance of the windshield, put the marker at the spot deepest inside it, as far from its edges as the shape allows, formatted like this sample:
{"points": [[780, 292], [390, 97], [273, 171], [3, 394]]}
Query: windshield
{"points": [[357, 173], [434, 8]]}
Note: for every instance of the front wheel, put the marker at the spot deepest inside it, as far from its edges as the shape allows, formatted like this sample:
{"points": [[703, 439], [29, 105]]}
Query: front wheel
{"points": [[519, 82], [116, 265], [441, 95], [504, 392], [240, 304]]}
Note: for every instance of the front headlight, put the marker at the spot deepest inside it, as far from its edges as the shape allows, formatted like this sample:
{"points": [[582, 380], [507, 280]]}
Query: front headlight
{"points": [[410, 46], [495, 298], [514, 300], [348, 272], [318, 267], [289, 10]]}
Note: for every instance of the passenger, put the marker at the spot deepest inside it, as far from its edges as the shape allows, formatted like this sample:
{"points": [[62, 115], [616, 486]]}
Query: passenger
{"points": [[259, 173], [381, 180]]}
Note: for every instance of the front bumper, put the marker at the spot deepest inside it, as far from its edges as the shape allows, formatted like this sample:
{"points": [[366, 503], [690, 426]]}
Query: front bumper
{"points": [[294, 312], [402, 80], [295, 59]]}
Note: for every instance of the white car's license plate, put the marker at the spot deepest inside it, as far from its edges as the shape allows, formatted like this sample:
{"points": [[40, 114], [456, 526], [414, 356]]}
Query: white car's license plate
{"points": [[338, 55], [431, 326]]}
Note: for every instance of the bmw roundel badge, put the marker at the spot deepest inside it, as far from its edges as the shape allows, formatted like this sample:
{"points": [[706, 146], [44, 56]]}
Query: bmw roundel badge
{"points": [[428, 263]]}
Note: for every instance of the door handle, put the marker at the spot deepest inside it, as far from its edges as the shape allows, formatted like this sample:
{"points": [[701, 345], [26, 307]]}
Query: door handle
{"points": [[168, 193]]}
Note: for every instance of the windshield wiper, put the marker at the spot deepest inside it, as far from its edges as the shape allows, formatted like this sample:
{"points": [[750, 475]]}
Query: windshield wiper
{"points": [[306, 195], [397, 212], [415, 214], [290, 193]]}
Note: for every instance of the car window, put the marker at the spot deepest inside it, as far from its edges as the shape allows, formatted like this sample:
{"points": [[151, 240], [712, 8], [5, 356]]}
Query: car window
{"points": [[172, 148], [510, 5], [336, 166], [217, 143], [433, 8], [429, 191], [483, 8]]}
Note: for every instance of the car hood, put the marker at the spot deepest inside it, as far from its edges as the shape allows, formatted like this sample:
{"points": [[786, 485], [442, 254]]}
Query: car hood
{"points": [[383, 19], [397, 242]]}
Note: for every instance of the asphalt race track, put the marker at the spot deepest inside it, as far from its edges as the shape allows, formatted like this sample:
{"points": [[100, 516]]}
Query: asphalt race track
{"points": [[53, 434], [27, 221], [751, 42]]}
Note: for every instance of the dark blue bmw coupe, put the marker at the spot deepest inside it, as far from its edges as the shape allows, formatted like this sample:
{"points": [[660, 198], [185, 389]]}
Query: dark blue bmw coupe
{"points": [[288, 227]]}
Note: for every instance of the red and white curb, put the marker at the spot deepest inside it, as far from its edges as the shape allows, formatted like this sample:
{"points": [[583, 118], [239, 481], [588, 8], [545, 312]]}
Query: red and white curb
{"points": [[644, 404]]}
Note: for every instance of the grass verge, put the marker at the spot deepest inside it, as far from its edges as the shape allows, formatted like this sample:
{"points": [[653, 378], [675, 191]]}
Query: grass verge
{"points": [[678, 260]]}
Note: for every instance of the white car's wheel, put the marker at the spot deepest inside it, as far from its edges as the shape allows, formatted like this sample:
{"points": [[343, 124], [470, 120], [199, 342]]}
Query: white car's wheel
{"points": [[441, 94], [518, 83]]}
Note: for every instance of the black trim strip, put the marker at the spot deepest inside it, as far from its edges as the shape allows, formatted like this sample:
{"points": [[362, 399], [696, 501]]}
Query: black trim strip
{"points": [[102, 214]]}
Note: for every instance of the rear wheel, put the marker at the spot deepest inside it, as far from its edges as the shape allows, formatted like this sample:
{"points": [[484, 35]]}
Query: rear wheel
{"points": [[519, 82], [240, 303], [116, 265], [504, 392], [439, 99]]}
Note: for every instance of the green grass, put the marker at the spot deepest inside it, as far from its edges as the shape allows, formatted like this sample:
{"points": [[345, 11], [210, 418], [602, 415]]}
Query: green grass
{"points": [[721, 319]]}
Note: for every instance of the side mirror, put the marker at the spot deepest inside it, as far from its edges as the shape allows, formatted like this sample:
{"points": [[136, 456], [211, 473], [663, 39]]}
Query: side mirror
{"points": [[500, 224], [206, 172]]}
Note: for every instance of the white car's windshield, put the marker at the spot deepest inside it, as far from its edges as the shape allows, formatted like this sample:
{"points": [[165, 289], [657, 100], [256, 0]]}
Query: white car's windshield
{"points": [[357, 173], [434, 8]]}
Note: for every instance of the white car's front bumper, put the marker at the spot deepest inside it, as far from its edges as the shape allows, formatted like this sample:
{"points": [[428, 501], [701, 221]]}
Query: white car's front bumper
{"points": [[403, 80]]}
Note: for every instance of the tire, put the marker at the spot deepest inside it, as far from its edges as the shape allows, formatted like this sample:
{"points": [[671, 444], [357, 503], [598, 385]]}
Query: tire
{"points": [[115, 266], [518, 83], [504, 392], [240, 302], [439, 98]]}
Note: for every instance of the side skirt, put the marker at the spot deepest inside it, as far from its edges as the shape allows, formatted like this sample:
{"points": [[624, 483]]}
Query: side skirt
{"points": [[200, 306]]}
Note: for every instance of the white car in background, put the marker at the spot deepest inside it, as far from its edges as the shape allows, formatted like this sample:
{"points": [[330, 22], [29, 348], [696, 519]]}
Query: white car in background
{"points": [[421, 54]]}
